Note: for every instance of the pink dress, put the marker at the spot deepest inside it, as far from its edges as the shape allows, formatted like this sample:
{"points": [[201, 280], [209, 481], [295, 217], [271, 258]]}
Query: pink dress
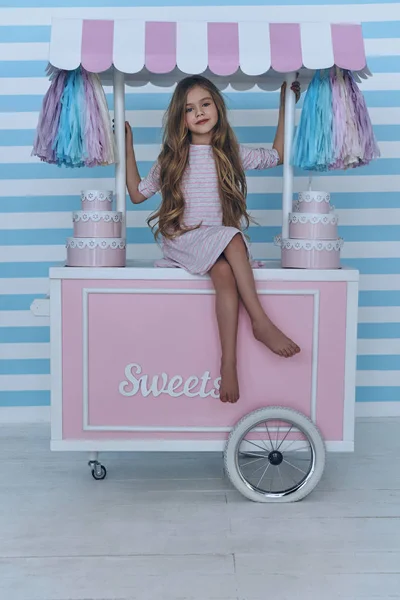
{"points": [[198, 250]]}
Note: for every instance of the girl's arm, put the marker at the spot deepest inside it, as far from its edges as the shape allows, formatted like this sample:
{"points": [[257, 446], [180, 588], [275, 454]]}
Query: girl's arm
{"points": [[133, 178], [278, 144], [261, 158]]}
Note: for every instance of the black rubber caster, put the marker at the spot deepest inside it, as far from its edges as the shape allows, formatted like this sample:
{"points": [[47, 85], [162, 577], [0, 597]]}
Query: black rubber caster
{"points": [[99, 473]]}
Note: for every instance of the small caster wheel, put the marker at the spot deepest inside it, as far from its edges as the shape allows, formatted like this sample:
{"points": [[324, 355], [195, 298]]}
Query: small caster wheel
{"points": [[99, 472]]}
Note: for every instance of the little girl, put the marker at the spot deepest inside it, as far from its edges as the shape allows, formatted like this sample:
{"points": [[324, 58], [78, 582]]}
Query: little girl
{"points": [[200, 173]]}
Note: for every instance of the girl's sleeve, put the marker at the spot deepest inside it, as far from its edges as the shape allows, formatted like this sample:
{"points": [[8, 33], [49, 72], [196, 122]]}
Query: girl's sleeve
{"points": [[150, 184], [258, 158]]}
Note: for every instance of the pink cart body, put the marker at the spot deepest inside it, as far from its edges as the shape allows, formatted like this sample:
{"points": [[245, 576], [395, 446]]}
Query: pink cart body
{"points": [[135, 357]]}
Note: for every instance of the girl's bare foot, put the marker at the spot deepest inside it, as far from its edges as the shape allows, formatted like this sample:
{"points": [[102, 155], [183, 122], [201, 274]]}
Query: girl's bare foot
{"points": [[229, 388], [269, 334]]}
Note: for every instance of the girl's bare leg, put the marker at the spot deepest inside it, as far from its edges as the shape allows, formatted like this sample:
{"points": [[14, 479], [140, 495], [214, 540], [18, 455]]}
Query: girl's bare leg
{"points": [[264, 329], [227, 310]]}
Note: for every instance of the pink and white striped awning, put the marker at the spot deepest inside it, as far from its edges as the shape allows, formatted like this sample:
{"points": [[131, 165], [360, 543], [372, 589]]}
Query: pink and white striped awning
{"points": [[222, 49]]}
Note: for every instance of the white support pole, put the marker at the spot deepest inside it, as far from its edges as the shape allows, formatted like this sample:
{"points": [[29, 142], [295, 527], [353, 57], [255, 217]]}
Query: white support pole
{"points": [[287, 197], [119, 126]]}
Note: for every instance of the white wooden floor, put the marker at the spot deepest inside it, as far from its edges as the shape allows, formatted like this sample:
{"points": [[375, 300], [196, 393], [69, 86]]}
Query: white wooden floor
{"points": [[171, 527]]}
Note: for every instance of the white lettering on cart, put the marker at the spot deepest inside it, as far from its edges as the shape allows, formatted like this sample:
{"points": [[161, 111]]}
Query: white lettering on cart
{"points": [[159, 384]]}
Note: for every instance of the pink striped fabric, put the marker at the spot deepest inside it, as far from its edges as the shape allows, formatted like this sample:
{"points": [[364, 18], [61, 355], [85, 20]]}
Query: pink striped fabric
{"points": [[197, 250], [285, 47], [223, 48], [348, 46], [160, 47], [97, 45]]}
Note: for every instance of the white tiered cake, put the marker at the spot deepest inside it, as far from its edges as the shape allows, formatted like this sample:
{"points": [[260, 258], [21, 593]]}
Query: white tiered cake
{"points": [[97, 240], [313, 241]]}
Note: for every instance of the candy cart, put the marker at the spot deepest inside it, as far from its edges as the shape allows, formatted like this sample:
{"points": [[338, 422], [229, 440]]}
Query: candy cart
{"points": [[135, 349]]}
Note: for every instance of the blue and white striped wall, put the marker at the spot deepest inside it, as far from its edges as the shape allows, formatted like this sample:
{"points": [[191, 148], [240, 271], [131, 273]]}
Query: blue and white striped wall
{"points": [[36, 200]]}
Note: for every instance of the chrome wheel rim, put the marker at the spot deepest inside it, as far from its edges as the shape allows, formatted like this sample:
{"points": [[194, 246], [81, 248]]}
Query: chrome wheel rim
{"points": [[275, 457]]}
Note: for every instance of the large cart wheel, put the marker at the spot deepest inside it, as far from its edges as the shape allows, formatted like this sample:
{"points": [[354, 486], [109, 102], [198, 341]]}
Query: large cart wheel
{"points": [[275, 454]]}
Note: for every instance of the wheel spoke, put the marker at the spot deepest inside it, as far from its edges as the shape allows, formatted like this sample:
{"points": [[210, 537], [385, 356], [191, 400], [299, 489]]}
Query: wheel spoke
{"points": [[287, 433], [277, 436], [272, 480], [262, 476], [291, 444], [294, 466], [253, 461], [270, 441], [259, 468], [256, 445], [306, 446], [248, 454], [281, 478]]}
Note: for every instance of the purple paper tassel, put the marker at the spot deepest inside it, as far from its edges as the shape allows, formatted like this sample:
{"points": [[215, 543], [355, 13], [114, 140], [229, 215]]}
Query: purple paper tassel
{"points": [[368, 143], [338, 121], [354, 139], [49, 119]]}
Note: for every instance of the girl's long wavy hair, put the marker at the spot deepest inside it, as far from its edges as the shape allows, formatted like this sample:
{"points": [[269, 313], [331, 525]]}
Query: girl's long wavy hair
{"points": [[173, 160]]}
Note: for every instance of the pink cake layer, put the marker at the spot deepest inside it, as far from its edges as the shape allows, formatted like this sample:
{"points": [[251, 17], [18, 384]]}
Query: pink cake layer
{"points": [[97, 224], [313, 202], [310, 259], [96, 200], [91, 252], [310, 254], [313, 226], [312, 207]]}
